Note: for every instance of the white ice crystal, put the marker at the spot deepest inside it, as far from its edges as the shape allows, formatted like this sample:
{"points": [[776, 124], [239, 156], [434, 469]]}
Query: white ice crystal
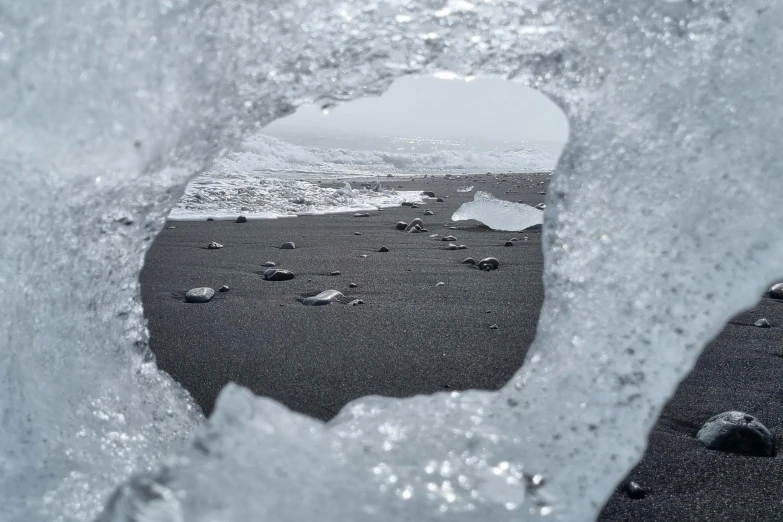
{"points": [[498, 214], [661, 223]]}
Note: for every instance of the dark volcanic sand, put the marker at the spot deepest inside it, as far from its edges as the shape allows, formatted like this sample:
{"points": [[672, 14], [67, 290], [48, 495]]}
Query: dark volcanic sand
{"points": [[411, 337]]}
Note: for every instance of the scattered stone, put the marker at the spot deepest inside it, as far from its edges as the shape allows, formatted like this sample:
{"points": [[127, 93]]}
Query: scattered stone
{"points": [[365, 255], [462, 247], [361, 214], [540, 206], [414, 206], [489, 263], [287, 246], [357, 233], [383, 249], [514, 239], [776, 292], [440, 283], [451, 246], [428, 193], [380, 210], [415, 223], [429, 213], [433, 235], [493, 327], [542, 193], [214, 245], [416, 230], [439, 200], [356, 302], [762, 323], [401, 225], [268, 264], [737, 432], [508, 243], [324, 298], [407, 203], [241, 219], [468, 261], [171, 228], [210, 219], [277, 274], [452, 228], [223, 288], [449, 238], [202, 294], [353, 285], [635, 491], [335, 273]]}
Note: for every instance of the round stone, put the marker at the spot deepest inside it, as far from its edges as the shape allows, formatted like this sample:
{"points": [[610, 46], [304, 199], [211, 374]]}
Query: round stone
{"points": [[415, 223], [357, 233], [202, 294], [357, 302], [214, 245], [383, 249], [468, 261], [451, 246], [324, 298], [737, 432], [776, 292], [493, 327], [429, 213], [241, 219], [463, 247], [288, 246], [428, 193], [439, 200], [635, 491], [223, 288], [414, 206], [508, 243], [276, 274], [361, 214], [401, 225], [489, 263], [448, 238], [210, 219], [762, 323], [268, 264], [335, 273], [353, 285]]}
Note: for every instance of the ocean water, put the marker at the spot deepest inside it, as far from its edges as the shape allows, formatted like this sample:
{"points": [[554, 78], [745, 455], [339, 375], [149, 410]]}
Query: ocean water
{"points": [[276, 176]]}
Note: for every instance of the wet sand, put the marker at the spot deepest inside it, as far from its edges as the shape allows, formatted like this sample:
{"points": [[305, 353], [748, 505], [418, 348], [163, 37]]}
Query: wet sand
{"points": [[412, 337]]}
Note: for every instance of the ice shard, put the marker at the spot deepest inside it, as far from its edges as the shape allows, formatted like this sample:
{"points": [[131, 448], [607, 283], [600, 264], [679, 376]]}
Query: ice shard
{"points": [[498, 214]]}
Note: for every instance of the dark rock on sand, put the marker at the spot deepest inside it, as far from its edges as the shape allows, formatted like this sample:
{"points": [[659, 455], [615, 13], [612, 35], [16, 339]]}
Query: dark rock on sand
{"points": [[401, 225], [352, 285], [241, 219], [223, 288], [493, 327], [210, 219], [737, 432], [383, 249], [429, 213], [324, 298], [448, 238], [462, 247], [203, 294], [415, 223], [356, 302], [508, 243], [776, 292], [214, 245], [276, 274], [407, 204], [451, 246], [428, 193], [268, 264], [634, 491], [439, 200], [540, 206], [287, 246], [357, 233], [489, 263], [762, 323], [335, 273], [468, 261], [361, 214], [414, 206]]}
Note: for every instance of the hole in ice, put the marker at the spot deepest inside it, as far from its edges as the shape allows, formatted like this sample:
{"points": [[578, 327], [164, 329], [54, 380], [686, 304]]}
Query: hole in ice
{"points": [[427, 141]]}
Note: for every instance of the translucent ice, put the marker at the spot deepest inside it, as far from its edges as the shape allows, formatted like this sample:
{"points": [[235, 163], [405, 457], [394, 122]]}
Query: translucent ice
{"points": [[661, 223], [498, 214]]}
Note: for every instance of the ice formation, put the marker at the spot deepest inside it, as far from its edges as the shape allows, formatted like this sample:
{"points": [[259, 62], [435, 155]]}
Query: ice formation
{"points": [[498, 214], [662, 222]]}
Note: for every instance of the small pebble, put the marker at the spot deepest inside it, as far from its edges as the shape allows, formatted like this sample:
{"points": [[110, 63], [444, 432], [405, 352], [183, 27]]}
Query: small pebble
{"points": [[353, 285], [383, 249], [223, 288], [440, 283], [541, 206], [335, 273], [452, 228], [493, 327], [171, 228], [214, 245], [451, 246], [762, 323], [268, 264], [449, 238], [357, 302], [357, 233], [361, 214], [415, 223], [363, 255], [429, 213], [489, 263], [776, 292], [288, 246], [428, 193], [401, 225], [635, 491], [414, 206], [468, 261], [514, 239], [463, 247], [202, 294], [439, 200], [210, 219], [241, 219], [407, 204], [508, 243], [324, 298]]}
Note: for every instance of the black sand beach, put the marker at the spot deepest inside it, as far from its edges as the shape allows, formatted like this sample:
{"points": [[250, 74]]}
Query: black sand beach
{"points": [[412, 337]]}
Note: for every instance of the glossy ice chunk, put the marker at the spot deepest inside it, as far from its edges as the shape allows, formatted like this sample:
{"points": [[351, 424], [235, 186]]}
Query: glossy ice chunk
{"points": [[498, 214]]}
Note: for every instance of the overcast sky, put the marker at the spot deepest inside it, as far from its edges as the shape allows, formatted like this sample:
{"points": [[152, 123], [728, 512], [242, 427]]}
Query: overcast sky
{"points": [[487, 109]]}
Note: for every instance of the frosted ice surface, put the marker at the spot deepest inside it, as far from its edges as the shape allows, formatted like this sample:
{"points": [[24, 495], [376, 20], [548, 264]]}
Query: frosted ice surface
{"points": [[498, 214], [662, 222]]}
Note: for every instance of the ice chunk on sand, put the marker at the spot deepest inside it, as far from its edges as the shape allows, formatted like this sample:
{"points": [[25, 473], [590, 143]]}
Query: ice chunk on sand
{"points": [[498, 214]]}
